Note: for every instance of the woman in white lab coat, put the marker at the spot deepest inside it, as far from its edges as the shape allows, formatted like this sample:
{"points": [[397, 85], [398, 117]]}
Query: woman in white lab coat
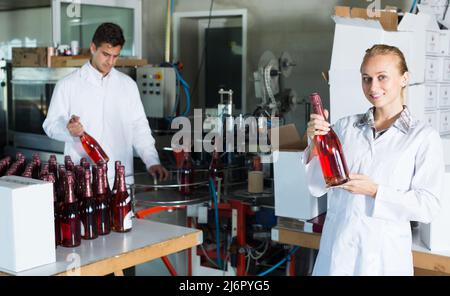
{"points": [[396, 176]]}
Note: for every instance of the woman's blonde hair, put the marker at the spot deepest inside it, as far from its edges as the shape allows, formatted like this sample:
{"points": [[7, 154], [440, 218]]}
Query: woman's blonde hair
{"points": [[383, 49]]}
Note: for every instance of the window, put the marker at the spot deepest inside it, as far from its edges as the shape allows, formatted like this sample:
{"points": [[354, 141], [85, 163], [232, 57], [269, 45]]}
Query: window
{"points": [[78, 20]]}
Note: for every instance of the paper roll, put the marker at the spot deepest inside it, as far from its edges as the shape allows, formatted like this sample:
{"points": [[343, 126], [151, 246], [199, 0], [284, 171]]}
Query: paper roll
{"points": [[255, 182]]}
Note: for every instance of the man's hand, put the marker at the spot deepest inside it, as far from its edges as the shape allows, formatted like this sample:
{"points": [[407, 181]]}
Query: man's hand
{"points": [[75, 127], [160, 171], [361, 184]]}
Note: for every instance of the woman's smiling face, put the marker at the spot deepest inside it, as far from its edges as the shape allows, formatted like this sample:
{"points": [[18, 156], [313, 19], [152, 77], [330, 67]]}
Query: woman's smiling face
{"points": [[382, 81]]}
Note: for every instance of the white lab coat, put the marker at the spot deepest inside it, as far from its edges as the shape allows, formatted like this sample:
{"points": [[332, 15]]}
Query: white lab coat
{"points": [[110, 110], [367, 236]]}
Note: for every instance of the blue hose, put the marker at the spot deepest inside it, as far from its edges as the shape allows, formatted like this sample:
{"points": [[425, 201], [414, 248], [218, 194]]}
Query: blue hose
{"points": [[413, 7], [212, 190], [292, 252], [185, 86]]}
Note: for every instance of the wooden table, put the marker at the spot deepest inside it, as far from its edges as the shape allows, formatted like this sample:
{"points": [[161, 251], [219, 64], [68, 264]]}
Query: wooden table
{"points": [[115, 252], [425, 261]]}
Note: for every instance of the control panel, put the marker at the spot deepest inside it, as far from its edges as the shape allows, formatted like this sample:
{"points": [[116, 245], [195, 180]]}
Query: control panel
{"points": [[157, 87]]}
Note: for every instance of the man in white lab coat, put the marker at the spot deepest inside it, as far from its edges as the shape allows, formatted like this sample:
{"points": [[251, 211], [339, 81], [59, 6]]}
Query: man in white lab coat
{"points": [[106, 103]]}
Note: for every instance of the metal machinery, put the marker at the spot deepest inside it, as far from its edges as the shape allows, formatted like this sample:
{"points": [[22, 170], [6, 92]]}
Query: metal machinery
{"points": [[236, 224], [275, 100], [157, 86]]}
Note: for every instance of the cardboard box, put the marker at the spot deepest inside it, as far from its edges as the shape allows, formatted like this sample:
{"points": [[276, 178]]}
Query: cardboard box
{"points": [[79, 61], [432, 119], [387, 19], [433, 43], [30, 57], [433, 69], [27, 230], [444, 96], [445, 69], [435, 235], [431, 96], [444, 42], [444, 123], [346, 94], [292, 197]]}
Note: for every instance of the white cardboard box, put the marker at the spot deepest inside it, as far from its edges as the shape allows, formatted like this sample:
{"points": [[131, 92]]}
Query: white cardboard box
{"points": [[432, 119], [431, 96], [444, 123], [292, 197], [434, 69], [27, 230], [435, 235], [346, 94], [444, 96]]}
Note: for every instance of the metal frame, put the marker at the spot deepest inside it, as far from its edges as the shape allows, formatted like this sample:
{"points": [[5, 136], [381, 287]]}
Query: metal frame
{"points": [[136, 5], [177, 16]]}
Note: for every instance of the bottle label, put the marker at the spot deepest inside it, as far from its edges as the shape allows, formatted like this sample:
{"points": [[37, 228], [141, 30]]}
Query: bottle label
{"points": [[127, 222]]}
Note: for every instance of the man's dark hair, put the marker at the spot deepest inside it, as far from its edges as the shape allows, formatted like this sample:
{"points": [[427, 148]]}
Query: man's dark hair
{"points": [[108, 33]]}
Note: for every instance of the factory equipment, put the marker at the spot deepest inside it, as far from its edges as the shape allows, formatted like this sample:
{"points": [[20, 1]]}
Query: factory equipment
{"points": [[158, 89], [275, 100]]}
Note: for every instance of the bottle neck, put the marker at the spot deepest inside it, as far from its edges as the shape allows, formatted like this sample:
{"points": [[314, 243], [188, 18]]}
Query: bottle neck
{"points": [[121, 184], [88, 193], [316, 104], [69, 192], [100, 182]]}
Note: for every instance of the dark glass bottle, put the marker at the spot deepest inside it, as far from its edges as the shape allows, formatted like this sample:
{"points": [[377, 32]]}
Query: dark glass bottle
{"points": [[216, 168], [93, 148], [104, 166], [79, 181], [121, 205], [186, 174], [37, 163], [56, 207], [83, 161], [116, 176], [70, 216], [61, 183], [329, 150], [88, 213], [102, 205], [68, 163]]}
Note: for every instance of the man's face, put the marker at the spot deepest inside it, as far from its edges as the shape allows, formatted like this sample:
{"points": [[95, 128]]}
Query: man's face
{"points": [[104, 57]]}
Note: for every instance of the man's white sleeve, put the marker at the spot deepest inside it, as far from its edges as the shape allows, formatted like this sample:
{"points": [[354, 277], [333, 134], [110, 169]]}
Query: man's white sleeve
{"points": [[55, 125]]}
